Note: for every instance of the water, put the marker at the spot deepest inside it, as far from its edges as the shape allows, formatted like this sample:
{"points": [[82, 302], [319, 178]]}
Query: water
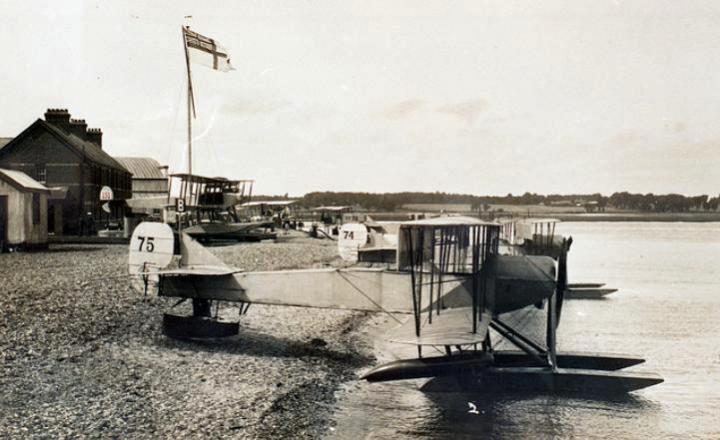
{"points": [[667, 311]]}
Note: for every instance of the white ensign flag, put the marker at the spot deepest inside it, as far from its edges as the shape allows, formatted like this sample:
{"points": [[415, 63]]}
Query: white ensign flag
{"points": [[206, 51]]}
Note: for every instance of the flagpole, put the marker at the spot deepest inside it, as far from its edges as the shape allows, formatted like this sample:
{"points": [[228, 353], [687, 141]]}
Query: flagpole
{"points": [[190, 99]]}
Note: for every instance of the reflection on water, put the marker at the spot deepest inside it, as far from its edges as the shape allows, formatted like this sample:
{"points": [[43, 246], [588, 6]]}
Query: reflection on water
{"points": [[667, 311]]}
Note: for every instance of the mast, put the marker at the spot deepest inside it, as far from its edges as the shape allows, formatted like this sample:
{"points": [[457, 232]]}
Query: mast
{"points": [[190, 98], [201, 307]]}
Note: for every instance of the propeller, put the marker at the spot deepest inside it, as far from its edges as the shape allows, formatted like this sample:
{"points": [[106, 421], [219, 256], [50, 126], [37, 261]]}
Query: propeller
{"points": [[562, 278], [555, 303]]}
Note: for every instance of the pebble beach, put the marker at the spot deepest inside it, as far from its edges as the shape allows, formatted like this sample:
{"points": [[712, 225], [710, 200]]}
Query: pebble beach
{"points": [[82, 352]]}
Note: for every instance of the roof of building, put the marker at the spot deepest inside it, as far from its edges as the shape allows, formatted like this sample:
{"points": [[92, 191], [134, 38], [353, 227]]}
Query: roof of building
{"points": [[4, 141], [22, 181], [142, 167], [89, 149], [448, 207], [81, 146]]}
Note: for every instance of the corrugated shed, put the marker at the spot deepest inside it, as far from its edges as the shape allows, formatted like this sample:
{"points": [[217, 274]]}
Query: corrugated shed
{"points": [[22, 181], [142, 167]]}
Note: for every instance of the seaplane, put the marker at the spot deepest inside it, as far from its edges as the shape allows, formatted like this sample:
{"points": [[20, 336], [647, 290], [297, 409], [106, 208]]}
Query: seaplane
{"points": [[536, 236], [448, 277], [458, 292], [206, 207]]}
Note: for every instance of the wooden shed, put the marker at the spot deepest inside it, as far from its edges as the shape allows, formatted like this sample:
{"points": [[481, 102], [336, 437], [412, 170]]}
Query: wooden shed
{"points": [[23, 211]]}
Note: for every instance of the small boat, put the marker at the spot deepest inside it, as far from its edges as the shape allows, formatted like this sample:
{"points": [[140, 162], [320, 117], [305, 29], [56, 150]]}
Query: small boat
{"points": [[585, 285], [588, 293]]}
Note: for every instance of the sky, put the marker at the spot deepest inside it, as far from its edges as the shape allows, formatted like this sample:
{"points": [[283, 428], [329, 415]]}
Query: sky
{"points": [[481, 97]]}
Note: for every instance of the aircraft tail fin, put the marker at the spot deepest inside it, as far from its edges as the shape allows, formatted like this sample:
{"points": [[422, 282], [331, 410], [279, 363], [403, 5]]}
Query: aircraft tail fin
{"points": [[151, 247], [194, 255], [352, 237]]}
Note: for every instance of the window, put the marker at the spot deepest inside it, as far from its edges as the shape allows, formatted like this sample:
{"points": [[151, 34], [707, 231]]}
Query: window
{"points": [[36, 208], [41, 173]]}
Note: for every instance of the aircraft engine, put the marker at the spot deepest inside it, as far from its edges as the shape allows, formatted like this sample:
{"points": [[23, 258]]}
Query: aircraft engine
{"points": [[521, 280]]}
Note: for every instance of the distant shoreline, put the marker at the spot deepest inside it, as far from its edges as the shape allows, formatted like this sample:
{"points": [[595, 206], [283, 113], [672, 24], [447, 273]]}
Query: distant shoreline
{"points": [[640, 217], [692, 217]]}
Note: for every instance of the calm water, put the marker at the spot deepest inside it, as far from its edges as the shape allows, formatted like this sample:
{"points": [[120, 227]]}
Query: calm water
{"points": [[667, 311]]}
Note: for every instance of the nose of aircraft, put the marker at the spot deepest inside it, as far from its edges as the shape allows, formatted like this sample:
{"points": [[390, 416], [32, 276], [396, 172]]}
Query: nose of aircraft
{"points": [[520, 281]]}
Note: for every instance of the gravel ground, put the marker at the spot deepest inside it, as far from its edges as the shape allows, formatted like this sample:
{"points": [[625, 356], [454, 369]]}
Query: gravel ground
{"points": [[82, 354]]}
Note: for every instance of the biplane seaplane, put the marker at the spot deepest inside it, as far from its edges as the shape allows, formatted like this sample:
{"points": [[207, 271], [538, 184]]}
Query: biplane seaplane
{"points": [[536, 236], [205, 207], [449, 276]]}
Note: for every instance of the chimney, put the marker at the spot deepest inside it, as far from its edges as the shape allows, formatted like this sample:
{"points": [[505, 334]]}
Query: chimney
{"points": [[94, 135], [78, 127], [58, 117]]}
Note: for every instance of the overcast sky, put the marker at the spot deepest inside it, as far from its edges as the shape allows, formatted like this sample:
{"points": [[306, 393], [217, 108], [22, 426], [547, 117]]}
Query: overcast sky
{"points": [[475, 97]]}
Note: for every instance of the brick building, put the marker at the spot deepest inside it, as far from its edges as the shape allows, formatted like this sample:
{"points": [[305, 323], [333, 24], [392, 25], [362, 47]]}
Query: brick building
{"points": [[62, 153]]}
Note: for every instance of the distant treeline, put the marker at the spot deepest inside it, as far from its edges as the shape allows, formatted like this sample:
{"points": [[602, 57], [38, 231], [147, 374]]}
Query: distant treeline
{"points": [[663, 202], [619, 200]]}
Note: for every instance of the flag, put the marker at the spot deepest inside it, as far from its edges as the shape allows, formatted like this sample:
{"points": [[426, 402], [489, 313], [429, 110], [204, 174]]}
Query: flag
{"points": [[206, 51]]}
